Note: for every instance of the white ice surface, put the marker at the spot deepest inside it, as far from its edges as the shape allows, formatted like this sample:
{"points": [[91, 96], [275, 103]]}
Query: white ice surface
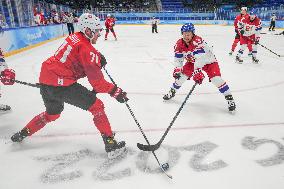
{"points": [[241, 151]]}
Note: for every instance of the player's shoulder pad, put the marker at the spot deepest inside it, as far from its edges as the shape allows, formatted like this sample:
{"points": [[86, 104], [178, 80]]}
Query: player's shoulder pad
{"points": [[257, 20], [179, 43], [197, 40]]}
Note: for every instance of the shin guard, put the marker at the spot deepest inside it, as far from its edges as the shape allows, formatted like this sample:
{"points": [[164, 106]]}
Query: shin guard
{"points": [[234, 45], [39, 121], [100, 119]]}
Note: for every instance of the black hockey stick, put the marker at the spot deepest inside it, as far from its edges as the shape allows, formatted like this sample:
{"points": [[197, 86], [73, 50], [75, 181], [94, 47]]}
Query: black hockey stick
{"points": [[156, 146], [162, 166], [37, 85], [270, 50]]}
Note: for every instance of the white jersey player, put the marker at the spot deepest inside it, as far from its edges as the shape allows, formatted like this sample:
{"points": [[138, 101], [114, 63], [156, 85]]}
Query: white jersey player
{"points": [[7, 77], [192, 56]]}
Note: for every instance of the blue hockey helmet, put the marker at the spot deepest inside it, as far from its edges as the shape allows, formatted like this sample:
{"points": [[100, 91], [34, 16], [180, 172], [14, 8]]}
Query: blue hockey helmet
{"points": [[252, 12], [188, 27]]}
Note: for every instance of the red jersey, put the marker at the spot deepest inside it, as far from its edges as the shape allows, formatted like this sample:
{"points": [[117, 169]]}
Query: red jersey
{"points": [[109, 23], [239, 19], [75, 58]]}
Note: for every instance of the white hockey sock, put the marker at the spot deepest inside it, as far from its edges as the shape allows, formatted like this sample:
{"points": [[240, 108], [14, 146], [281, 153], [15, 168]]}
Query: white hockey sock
{"points": [[221, 85], [178, 82]]}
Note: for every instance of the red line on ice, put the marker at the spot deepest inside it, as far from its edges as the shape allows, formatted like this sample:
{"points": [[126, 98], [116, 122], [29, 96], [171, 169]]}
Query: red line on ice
{"points": [[163, 129]]}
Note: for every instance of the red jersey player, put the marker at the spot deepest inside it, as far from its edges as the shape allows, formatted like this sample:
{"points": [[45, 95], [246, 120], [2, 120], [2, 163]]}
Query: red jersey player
{"points": [[249, 29], [109, 23], [236, 23], [76, 58], [7, 77], [198, 57]]}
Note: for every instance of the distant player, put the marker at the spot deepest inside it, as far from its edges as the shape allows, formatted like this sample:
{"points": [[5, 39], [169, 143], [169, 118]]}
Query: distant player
{"points": [[109, 23], [7, 77], [192, 56], [154, 23], [272, 22], [236, 23], [249, 29], [76, 58]]}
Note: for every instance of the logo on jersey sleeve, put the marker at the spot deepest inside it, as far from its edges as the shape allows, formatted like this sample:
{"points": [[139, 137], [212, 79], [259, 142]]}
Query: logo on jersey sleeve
{"points": [[74, 39]]}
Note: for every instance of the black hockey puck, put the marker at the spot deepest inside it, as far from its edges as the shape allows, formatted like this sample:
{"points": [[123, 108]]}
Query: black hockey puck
{"points": [[165, 166]]}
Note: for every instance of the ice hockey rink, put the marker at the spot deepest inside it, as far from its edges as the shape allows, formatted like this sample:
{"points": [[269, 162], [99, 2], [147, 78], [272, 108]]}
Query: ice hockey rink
{"points": [[206, 148]]}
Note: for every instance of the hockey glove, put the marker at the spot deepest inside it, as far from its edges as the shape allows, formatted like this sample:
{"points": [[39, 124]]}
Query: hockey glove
{"points": [[198, 76], [118, 94], [177, 72], [8, 77], [103, 61], [242, 32]]}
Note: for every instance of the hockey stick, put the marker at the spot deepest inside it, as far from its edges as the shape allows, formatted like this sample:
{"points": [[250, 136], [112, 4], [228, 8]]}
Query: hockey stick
{"points": [[37, 85], [162, 166], [156, 146], [270, 50]]}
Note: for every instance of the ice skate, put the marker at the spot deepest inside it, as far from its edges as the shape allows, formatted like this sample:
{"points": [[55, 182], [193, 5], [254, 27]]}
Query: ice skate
{"points": [[239, 60], [4, 108], [170, 94], [112, 147], [231, 103], [231, 53], [250, 54], [255, 60], [19, 136]]}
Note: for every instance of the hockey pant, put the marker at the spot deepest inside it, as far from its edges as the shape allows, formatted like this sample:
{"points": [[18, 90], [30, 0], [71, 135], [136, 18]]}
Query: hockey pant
{"points": [[76, 95], [112, 31], [249, 42], [235, 43]]}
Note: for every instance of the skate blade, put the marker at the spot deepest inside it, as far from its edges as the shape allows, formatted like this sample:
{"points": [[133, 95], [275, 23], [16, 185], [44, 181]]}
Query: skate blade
{"points": [[239, 62], [116, 153], [233, 112], [5, 112]]}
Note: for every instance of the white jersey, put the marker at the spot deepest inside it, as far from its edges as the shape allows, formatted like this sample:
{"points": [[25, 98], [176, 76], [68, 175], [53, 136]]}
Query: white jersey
{"points": [[197, 52], [273, 18], [154, 21], [250, 27], [3, 64]]}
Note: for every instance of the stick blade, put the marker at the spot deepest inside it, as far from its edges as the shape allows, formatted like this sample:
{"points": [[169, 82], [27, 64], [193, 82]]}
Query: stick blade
{"points": [[148, 147]]}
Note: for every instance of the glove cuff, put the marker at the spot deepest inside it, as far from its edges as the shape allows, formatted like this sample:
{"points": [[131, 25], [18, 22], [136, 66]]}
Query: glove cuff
{"points": [[196, 71], [113, 90]]}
